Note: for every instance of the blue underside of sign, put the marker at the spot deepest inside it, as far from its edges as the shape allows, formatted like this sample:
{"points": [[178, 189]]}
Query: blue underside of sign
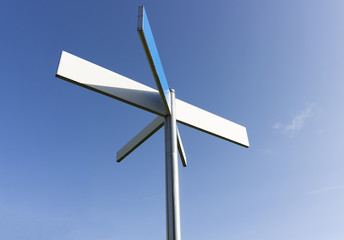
{"points": [[153, 57]]}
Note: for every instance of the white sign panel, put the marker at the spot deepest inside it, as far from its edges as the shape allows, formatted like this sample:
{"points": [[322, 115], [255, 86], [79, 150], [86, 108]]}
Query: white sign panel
{"points": [[99, 79]]}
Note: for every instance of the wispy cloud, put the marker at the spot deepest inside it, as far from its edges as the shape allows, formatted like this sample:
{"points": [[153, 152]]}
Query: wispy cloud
{"points": [[323, 190], [297, 122]]}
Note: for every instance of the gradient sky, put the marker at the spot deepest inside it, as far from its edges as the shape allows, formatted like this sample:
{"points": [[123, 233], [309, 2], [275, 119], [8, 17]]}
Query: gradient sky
{"points": [[273, 66]]}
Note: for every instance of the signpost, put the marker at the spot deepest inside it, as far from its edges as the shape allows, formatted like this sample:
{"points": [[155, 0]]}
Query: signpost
{"points": [[162, 102]]}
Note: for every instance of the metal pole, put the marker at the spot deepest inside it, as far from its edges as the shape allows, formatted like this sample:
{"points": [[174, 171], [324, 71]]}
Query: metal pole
{"points": [[172, 176]]}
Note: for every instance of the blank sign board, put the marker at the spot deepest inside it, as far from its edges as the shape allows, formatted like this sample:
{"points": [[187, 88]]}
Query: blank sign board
{"points": [[148, 43], [99, 79]]}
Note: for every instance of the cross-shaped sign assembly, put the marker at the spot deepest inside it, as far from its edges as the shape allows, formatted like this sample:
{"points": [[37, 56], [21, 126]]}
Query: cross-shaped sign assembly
{"points": [[162, 102]]}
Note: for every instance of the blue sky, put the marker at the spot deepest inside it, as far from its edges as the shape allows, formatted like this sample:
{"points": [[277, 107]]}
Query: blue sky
{"points": [[275, 67]]}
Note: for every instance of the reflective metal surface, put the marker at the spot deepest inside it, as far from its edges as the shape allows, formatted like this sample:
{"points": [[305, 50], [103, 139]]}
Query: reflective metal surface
{"points": [[172, 175], [152, 54]]}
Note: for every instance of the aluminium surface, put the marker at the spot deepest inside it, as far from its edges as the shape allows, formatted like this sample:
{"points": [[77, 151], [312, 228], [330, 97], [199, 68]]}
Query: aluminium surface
{"points": [[148, 43]]}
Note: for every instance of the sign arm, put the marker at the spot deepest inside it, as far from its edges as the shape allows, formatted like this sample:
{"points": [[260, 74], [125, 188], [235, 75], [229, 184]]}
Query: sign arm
{"points": [[210, 123], [181, 149], [140, 138], [146, 133], [148, 43], [91, 76], [99, 79]]}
